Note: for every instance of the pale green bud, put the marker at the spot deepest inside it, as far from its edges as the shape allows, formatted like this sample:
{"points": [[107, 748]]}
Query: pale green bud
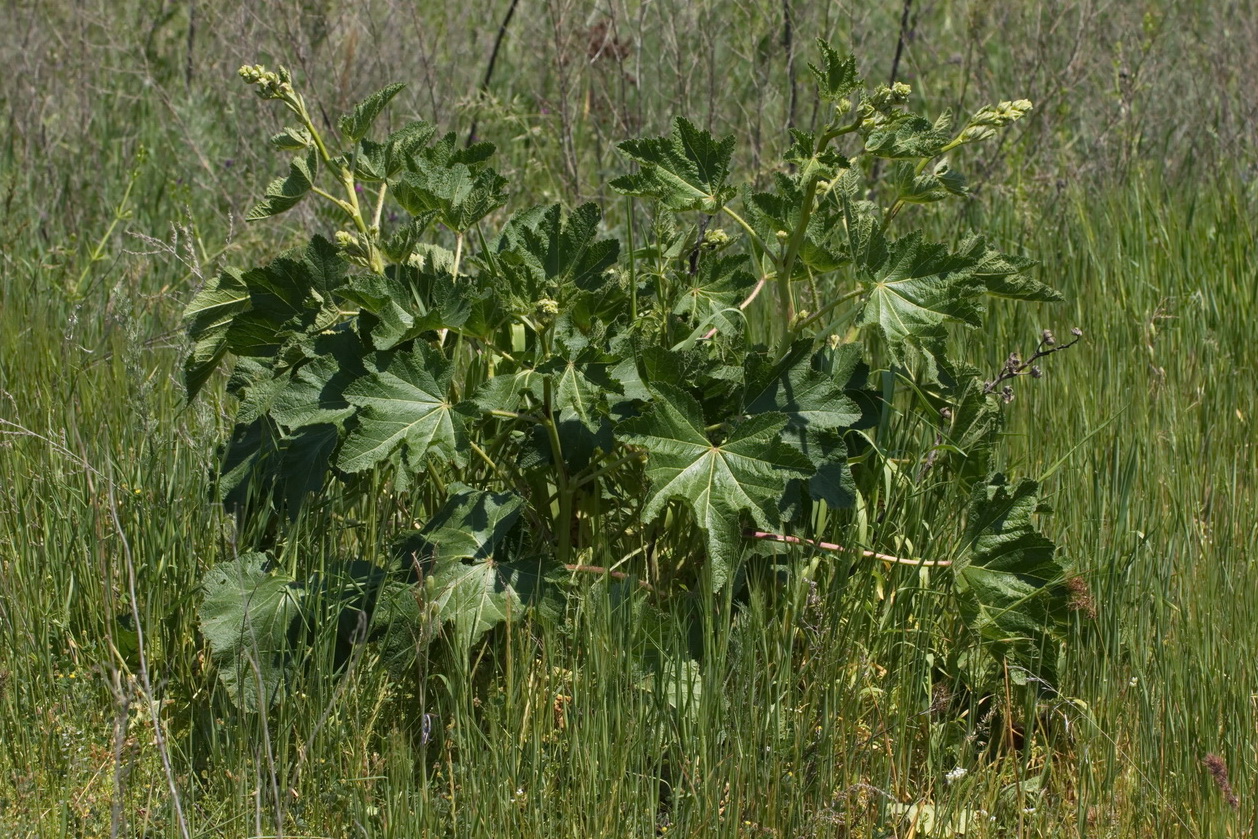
{"points": [[547, 308], [716, 238]]}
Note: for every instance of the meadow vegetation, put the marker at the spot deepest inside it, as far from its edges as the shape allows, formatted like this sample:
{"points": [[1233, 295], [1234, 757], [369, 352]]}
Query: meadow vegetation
{"points": [[849, 702]]}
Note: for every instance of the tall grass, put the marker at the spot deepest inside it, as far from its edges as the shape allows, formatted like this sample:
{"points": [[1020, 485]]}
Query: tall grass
{"points": [[827, 708]]}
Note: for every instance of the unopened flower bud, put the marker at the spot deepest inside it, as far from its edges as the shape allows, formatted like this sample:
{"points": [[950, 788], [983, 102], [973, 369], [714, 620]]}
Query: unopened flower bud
{"points": [[1047, 339], [1037, 372], [716, 238], [1077, 332], [1006, 395]]}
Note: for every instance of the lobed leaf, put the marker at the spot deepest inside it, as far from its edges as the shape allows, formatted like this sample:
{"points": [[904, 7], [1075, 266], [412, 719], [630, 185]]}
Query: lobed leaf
{"points": [[837, 78], [208, 317], [684, 171], [1010, 584], [357, 122], [246, 617], [403, 407], [285, 193], [747, 473]]}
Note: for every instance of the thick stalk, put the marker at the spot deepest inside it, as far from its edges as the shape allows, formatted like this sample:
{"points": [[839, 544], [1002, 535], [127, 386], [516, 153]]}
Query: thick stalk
{"points": [[563, 519]]}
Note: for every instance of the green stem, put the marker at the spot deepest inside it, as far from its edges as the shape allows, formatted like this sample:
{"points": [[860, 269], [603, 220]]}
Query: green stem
{"points": [[820, 313], [120, 215], [345, 208], [375, 219], [458, 253], [633, 268], [512, 415], [747, 228], [563, 519], [608, 467]]}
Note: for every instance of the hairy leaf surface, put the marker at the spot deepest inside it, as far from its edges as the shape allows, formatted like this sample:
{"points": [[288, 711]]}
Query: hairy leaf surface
{"points": [[685, 171], [403, 406], [1009, 579], [747, 473]]}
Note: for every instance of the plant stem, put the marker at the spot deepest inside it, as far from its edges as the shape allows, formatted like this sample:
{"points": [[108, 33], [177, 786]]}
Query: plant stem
{"points": [[375, 219], [831, 546], [598, 569], [747, 228], [563, 519], [608, 467]]}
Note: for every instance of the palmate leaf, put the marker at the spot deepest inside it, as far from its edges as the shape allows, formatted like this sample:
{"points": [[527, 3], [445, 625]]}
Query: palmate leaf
{"points": [[913, 292], [357, 122], [208, 317], [684, 171], [1004, 275], [405, 303], [261, 464], [907, 136], [458, 195], [314, 393], [817, 412], [403, 408], [471, 579], [747, 473], [291, 299], [836, 76], [383, 161], [471, 525], [798, 388], [717, 289], [284, 193], [247, 618], [1010, 583], [542, 251]]}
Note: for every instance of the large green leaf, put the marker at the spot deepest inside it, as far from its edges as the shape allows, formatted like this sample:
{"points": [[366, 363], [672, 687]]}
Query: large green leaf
{"points": [[1004, 275], [687, 170], [914, 291], [403, 407], [1010, 583], [747, 473], [798, 388], [460, 196], [471, 525], [407, 302], [208, 317], [291, 299], [262, 465], [248, 618], [906, 136], [471, 579], [836, 76], [716, 290], [542, 251], [284, 193], [314, 393], [357, 122]]}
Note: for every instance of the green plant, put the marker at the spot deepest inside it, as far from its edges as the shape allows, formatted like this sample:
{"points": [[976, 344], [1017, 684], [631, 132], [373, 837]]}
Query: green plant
{"points": [[549, 404]]}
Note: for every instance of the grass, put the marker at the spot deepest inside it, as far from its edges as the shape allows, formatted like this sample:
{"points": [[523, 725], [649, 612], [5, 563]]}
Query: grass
{"points": [[817, 711]]}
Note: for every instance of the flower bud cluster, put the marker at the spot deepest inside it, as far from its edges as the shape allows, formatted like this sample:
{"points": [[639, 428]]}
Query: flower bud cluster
{"points": [[984, 123], [715, 238], [271, 85], [884, 98]]}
